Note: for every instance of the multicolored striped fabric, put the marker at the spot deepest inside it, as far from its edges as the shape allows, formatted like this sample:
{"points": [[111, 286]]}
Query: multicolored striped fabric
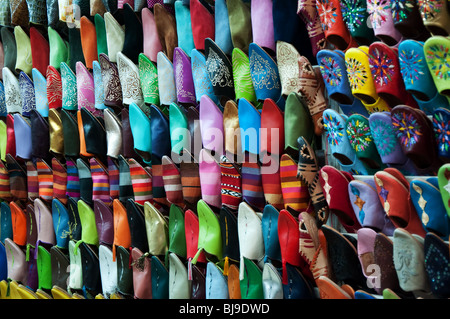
{"points": [[100, 181], [73, 180], [45, 180], [5, 192], [231, 183], [141, 181], [295, 192], [59, 181], [125, 185], [172, 182], [159, 193], [252, 189], [17, 179], [190, 182], [113, 171], [32, 181], [271, 183]]}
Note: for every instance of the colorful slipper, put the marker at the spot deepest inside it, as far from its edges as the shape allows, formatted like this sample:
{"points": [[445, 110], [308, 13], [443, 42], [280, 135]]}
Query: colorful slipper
{"points": [[172, 182], [361, 79], [129, 80], [166, 80], [202, 83], [335, 186], [440, 128], [184, 82], [355, 15], [408, 21], [385, 68], [148, 74], [333, 25], [243, 84], [399, 209], [436, 261], [308, 12], [334, 73], [339, 143], [435, 17], [115, 36], [111, 82], [417, 76], [427, 200], [416, 136], [387, 145], [383, 23], [437, 52]]}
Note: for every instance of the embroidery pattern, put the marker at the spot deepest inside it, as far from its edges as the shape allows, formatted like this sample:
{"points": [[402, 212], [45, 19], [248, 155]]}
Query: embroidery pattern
{"points": [[27, 91], [359, 135], [381, 67], [406, 128], [441, 128], [331, 71], [357, 74], [327, 14], [149, 81], [401, 9], [411, 65], [264, 75], [218, 72], [13, 98], [111, 82], [288, 68], [353, 13], [334, 128], [384, 137], [378, 10], [182, 92], [54, 87], [202, 83], [130, 82], [3, 110], [69, 88], [422, 203], [429, 9], [438, 58], [242, 78]]}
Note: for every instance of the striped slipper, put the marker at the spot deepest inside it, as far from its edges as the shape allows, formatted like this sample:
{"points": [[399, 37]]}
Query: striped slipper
{"points": [[190, 181], [100, 181], [45, 180], [125, 184], [295, 191], [32, 181], [172, 182], [5, 192], [141, 181], [252, 188], [113, 172], [73, 180], [59, 181], [17, 179]]}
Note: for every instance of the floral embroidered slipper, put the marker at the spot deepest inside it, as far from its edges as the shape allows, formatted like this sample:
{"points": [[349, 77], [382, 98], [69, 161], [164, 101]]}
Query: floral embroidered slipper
{"points": [[361, 80], [334, 73], [360, 137], [408, 21], [435, 16], [355, 15], [339, 145], [380, 15], [387, 144], [437, 54], [415, 133], [385, 69], [333, 24], [441, 120], [417, 76]]}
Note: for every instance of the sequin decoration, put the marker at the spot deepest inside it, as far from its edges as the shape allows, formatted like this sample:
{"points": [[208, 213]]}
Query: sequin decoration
{"points": [[441, 129], [327, 14], [429, 9], [406, 128], [381, 67], [359, 134], [357, 74], [334, 129], [353, 13], [438, 58], [331, 71], [383, 136], [437, 266], [411, 66], [379, 11], [401, 9]]}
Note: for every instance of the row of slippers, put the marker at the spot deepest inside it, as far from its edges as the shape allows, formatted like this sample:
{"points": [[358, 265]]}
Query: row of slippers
{"points": [[269, 255], [404, 138], [377, 77]]}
